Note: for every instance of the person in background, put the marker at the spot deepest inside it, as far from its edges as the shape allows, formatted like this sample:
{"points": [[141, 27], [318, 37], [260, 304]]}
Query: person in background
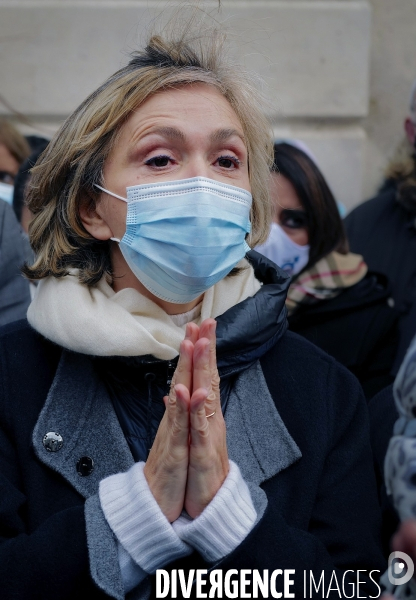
{"points": [[333, 300], [23, 214], [383, 230], [14, 247], [14, 288], [14, 149], [393, 440]]}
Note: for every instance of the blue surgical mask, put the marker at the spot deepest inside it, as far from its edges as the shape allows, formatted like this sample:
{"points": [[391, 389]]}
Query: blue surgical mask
{"points": [[182, 237], [6, 192]]}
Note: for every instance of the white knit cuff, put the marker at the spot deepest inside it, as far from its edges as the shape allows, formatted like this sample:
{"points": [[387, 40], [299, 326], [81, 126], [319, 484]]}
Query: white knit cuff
{"points": [[137, 520], [131, 573], [224, 523]]}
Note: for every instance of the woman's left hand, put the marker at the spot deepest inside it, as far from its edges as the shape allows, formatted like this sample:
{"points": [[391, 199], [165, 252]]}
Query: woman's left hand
{"points": [[208, 457]]}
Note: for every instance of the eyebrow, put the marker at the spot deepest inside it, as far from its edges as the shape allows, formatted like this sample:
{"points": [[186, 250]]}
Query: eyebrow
{"points": [[222, 135], [172, 133]]}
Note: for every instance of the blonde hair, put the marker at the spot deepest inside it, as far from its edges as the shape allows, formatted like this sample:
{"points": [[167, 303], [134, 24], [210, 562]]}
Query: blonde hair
{"points": [[75, 157], [14, 141], [402, 170]]}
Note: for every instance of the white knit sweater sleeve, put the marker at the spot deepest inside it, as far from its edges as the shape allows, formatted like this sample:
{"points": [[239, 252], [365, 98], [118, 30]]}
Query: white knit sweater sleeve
{"points": [[137, 521], [224, 523], [147, 541], [131, 573]]}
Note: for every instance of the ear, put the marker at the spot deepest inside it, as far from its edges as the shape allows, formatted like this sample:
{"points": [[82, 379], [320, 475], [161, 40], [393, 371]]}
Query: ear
{"points": [[410, 129], [92, 221]]}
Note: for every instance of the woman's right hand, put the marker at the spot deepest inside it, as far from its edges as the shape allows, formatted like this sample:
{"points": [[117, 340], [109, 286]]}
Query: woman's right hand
{"points": [[166, 468], [188, 461]]}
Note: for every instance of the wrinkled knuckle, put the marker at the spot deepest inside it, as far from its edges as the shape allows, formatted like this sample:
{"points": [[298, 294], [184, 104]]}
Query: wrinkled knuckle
{"points": [[203, 429], [176, 429], [180, 368], [212, 396], [171, 401], [172, 385], [216, 378], [170, 464]]}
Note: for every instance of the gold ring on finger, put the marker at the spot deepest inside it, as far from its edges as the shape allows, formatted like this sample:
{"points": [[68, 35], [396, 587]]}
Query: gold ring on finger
{"points": [[211, 415]]}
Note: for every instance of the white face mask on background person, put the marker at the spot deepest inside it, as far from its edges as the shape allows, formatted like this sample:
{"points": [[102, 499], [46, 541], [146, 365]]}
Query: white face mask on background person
{"points": [[283, 251], [6, 192]]}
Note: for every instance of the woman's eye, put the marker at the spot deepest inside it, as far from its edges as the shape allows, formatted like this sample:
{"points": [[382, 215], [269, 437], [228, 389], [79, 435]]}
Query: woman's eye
{"points": [[158, 161], [228, 162], [294, 219], [292, 223], [6, 177]]}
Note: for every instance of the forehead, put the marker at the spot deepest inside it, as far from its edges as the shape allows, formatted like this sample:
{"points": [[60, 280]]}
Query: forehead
{"points": [[194, 108], [284, 193], [7, 161]]}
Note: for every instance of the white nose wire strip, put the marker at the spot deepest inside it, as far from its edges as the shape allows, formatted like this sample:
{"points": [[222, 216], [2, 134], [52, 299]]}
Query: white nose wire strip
{"points": [[111, 193]]}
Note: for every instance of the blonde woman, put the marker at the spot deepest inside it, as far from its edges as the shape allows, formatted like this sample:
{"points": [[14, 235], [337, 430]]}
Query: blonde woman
{"points": [[166, 419]]}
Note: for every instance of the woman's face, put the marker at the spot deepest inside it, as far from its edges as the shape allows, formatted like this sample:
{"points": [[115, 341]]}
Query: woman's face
{"points": [[8, 166], [288, 210], [176, 134]]}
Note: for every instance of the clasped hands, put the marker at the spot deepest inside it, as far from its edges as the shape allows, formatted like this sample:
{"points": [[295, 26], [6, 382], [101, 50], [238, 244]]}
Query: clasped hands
{"points": [[188, 461]]}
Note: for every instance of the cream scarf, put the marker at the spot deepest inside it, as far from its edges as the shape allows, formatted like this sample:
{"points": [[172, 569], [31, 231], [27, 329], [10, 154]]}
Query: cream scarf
{"points": [[100, 322]]}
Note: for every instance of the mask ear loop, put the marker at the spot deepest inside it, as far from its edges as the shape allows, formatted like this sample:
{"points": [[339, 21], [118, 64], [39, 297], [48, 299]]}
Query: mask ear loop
{"points": [[114, 239], [110, 193]]}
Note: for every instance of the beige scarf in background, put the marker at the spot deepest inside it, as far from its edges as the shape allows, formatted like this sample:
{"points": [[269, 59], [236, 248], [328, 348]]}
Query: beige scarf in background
{"points": [[326, 279]]}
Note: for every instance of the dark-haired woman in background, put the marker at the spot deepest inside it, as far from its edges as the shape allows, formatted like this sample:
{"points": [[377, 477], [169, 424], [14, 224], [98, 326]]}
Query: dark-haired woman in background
{"points": [[333, 300], [21, 182]]}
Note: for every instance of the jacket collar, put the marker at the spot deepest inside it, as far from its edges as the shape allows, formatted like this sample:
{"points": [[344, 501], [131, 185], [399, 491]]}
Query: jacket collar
{"points": [[249, 329], [78, 408], [257, 439]]}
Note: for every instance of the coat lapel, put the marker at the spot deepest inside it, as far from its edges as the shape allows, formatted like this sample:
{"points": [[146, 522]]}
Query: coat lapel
{"points": [[257, 438], [79, 409]]}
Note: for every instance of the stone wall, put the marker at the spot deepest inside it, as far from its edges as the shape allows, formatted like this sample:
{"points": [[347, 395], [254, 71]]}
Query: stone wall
{"points": [[336, 72], [392, 73]]}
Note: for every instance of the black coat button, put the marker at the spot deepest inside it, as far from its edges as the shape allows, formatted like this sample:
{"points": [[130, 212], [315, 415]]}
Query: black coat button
{"points": [[85, 466], [52, 441]]}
